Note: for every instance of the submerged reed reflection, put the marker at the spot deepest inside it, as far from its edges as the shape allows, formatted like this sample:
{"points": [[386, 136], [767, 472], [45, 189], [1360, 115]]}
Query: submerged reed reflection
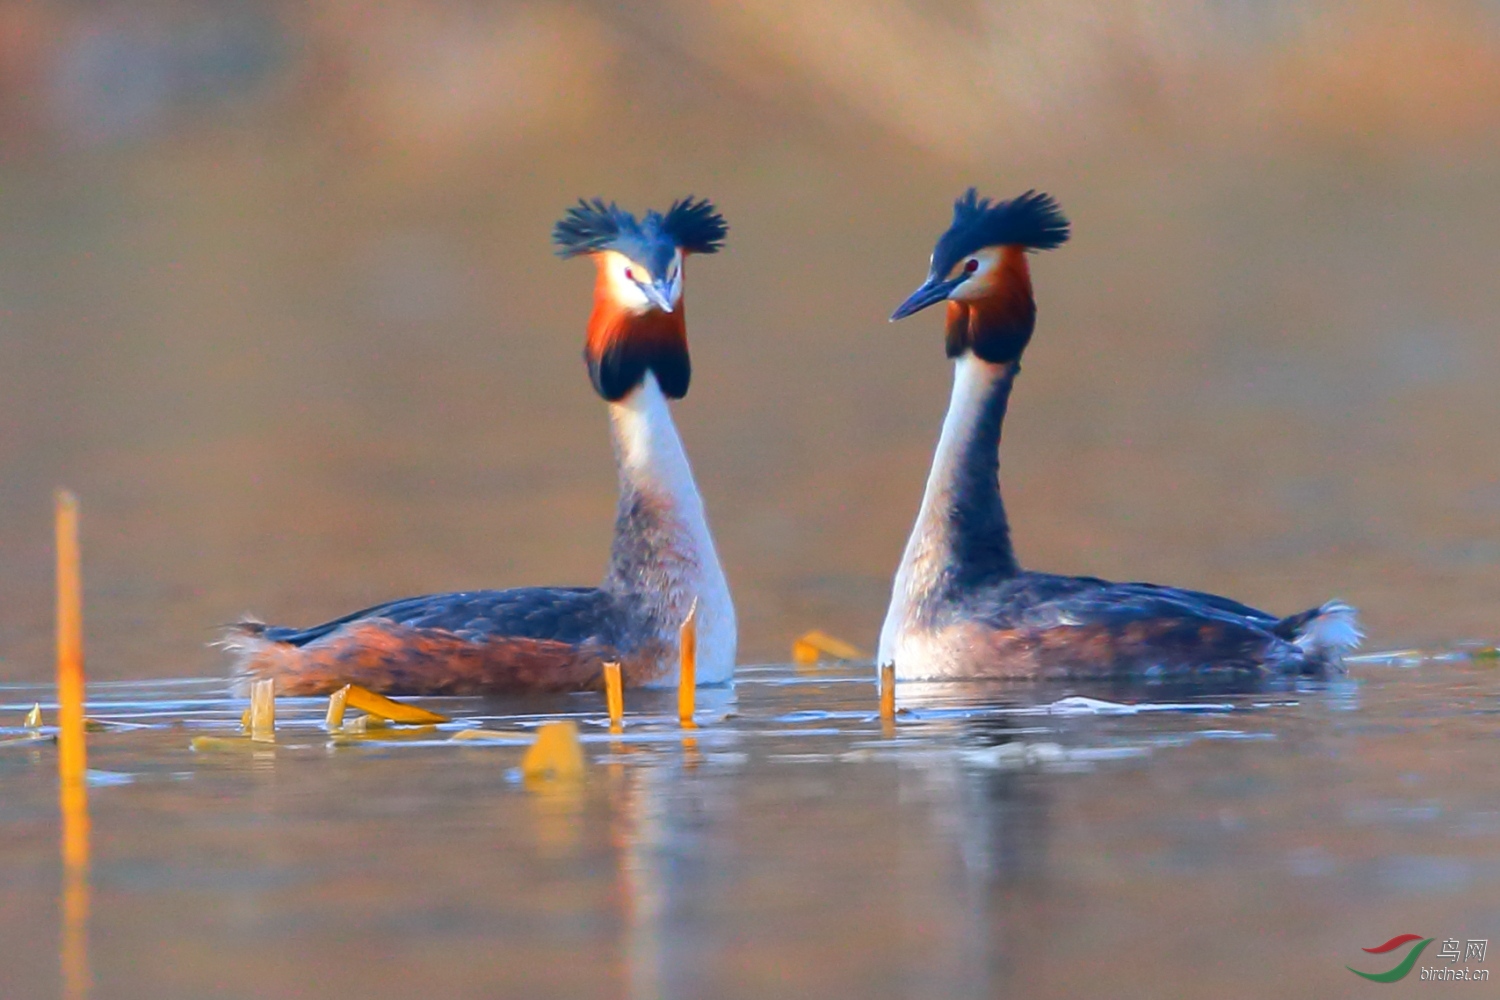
{"points": [[971, 870], [76, 975], [673, 838]]}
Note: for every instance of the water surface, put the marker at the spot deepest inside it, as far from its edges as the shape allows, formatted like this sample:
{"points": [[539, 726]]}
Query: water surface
{"points": [[993, 842]]}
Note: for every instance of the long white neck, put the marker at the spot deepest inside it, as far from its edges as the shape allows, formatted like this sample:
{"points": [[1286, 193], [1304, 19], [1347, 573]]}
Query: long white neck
{"points": [[663, 551], [961, 535]]}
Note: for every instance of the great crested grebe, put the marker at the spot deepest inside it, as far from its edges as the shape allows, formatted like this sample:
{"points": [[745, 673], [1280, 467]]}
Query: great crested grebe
{"points": [[961, 606], [662, 560]]}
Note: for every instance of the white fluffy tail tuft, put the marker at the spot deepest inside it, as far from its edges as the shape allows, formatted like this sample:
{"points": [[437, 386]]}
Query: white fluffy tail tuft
{"points": [[1331, 632], [245, 643]]}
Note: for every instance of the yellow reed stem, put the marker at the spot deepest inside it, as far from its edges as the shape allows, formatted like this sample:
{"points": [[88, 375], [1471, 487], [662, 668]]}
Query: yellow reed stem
{"points": [[687, 671], [614, 696], [888, 691], [337, 703], [263, 710], [72, 755], [34, 717], [72, 752]]}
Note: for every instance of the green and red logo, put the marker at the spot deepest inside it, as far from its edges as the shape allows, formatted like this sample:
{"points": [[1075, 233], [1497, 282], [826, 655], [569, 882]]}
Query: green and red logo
{"points": [[1404, 967]]}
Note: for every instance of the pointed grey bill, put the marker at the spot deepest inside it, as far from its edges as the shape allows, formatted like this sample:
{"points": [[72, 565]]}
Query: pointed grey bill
{"points": [[933, 291], [658, 293]]}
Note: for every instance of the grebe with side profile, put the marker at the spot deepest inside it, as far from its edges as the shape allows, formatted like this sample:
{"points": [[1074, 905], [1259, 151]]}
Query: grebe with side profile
{"points": [[662, 559], [961, 605]]}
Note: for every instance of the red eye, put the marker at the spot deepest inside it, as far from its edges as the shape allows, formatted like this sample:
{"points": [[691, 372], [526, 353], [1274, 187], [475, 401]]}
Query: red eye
{"points": [[630, 274], [971, 265]]}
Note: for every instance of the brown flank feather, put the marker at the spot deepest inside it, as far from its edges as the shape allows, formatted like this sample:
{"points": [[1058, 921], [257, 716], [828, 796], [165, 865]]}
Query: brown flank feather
{"points": [[1130, 648], [390, 658]]}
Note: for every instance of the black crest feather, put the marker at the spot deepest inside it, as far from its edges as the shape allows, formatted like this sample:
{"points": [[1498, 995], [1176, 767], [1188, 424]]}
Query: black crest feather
{"points": [[690, 225], [590, 227], [1032, 220], [696, 226]]}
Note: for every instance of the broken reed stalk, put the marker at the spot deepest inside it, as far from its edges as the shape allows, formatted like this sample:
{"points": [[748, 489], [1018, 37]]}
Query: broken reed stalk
{"points": [[687, 670], [72, 754], [614, 697], [888, 692], [381, 707], [337, 703], [263, 710]]}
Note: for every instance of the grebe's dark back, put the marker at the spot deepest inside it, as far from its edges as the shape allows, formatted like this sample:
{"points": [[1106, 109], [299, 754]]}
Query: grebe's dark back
{"points": [[961, 606]]}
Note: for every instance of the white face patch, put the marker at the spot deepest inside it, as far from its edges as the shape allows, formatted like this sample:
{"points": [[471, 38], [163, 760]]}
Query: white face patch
{"points": [[981, 281], [625, 277], [622, 274]]}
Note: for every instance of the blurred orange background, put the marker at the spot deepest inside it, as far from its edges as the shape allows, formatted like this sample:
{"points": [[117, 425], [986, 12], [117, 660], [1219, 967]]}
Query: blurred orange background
{"points": [[277, 300]]}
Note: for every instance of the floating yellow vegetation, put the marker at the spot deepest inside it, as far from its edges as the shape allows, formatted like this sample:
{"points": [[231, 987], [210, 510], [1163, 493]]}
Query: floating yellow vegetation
{"points": [[687, 670], [614, 696], [493, 736], [556, 754], [263, 711], [367, 728], [379, 705], [815, 646], [34, 717], [363, 724], [226, 744]]}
